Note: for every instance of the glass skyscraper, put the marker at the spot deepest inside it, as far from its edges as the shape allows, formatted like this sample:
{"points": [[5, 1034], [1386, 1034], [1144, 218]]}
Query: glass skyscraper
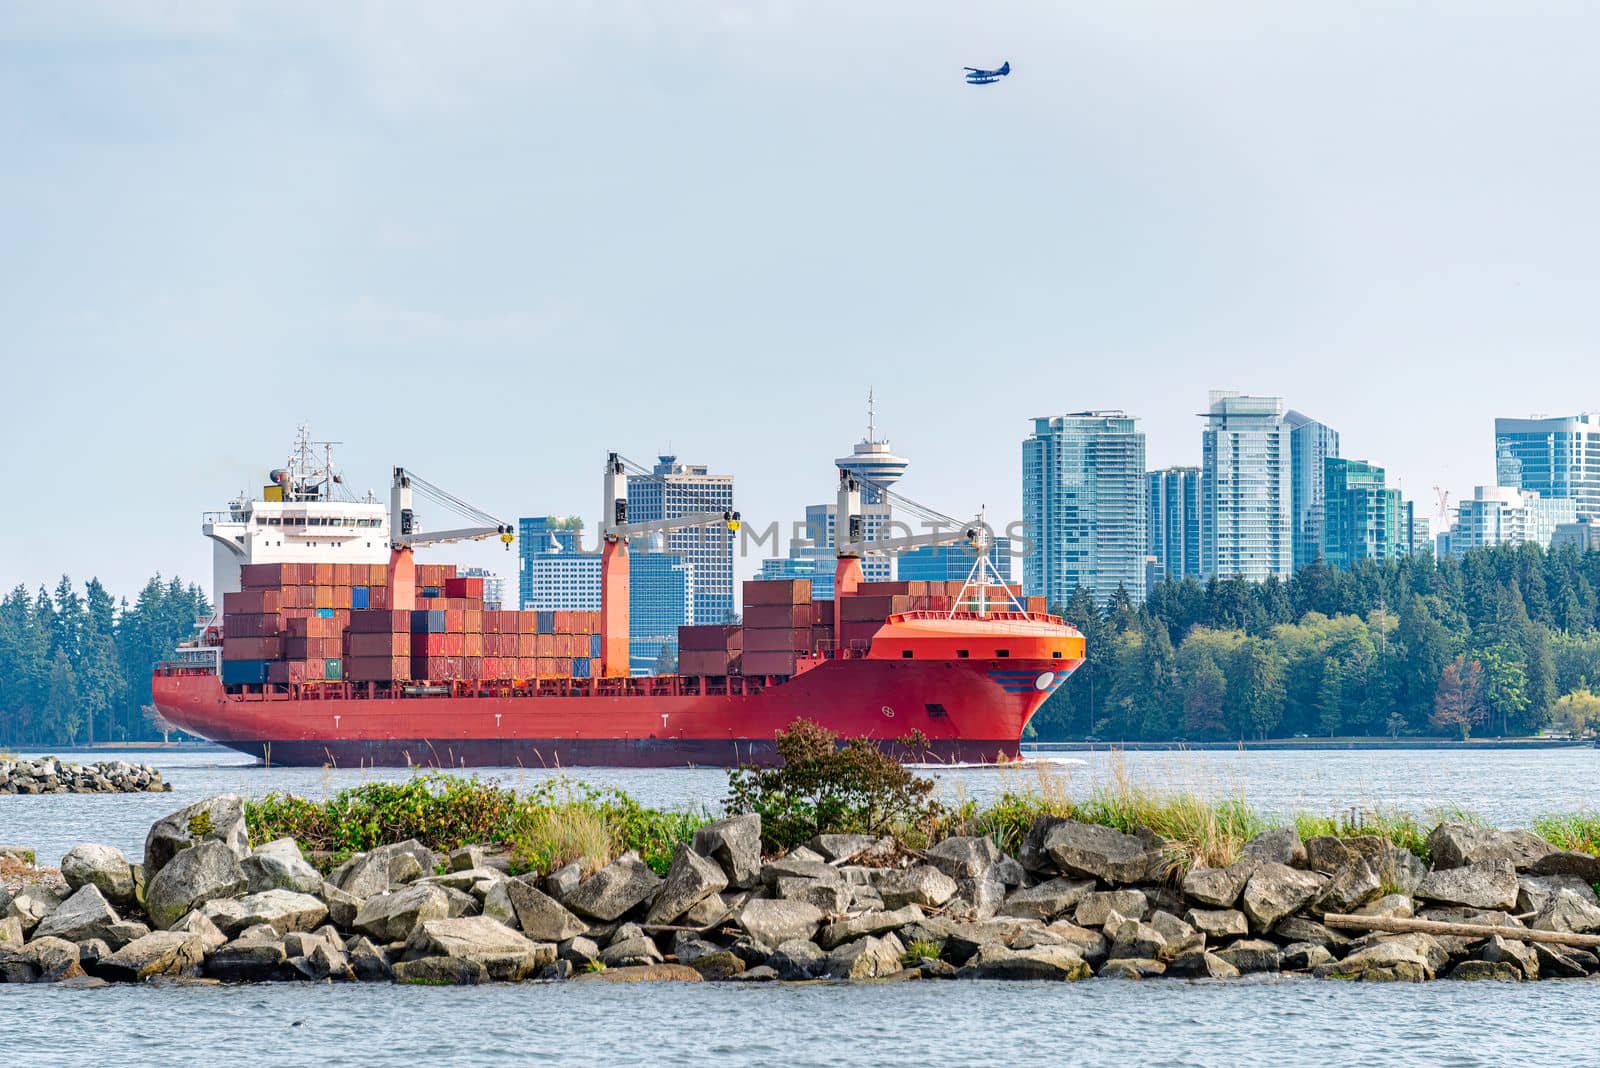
{"points": [[1310, 444], [1083, 506], [554, 573], [1173, 521], [1246, 512], [951, 563], [1363, 519], [1558, 458], [673, 489], [660, 600]]}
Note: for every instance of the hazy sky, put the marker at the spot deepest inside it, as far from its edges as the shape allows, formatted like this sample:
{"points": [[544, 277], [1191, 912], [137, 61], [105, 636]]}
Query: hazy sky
{"points": [[491, 241]]}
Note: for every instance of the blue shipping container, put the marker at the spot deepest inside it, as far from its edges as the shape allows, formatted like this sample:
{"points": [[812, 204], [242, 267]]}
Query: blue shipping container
{"points": [[430, 591], [594, 645], [244, 672], [325, 613], [427, 621], [544, 622], [360, 597], [580, 667]]}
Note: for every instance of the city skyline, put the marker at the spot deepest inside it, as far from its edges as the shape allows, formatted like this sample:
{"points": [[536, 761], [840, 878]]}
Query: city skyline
{"points": [[1176, 201]]}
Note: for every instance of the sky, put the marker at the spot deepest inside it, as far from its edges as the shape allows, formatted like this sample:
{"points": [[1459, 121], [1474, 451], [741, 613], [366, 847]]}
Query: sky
{"points": [[493, 241]]}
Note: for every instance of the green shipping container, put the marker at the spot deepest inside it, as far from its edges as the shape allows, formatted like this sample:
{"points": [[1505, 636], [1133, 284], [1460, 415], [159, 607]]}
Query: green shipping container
{"points": [[333, 669]]}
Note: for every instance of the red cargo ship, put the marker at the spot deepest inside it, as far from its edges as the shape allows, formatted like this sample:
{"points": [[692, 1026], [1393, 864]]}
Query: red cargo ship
{"points": [[357, 663]]}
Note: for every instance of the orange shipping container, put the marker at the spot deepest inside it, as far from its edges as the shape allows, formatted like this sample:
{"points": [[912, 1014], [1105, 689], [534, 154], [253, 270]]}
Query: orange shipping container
{"points": [[322, 597], [472, 621]]}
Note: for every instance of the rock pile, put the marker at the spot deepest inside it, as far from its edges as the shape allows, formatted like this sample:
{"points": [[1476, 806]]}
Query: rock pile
{"points": [[1079, 900], [47, 775]]}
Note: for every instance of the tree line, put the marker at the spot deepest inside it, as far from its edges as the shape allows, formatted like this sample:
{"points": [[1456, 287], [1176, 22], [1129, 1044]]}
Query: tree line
{"points": [[75, 667], [1502, 641]]}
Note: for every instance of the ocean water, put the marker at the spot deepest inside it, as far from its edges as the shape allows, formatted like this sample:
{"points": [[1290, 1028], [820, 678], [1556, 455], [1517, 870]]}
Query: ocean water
{"points": [[1096, 1022], [1505, 787]]}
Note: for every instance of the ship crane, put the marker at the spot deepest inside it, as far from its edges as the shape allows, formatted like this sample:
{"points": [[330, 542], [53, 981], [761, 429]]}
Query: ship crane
{"points": [[615, 531], [404, 535], [852, 544]]}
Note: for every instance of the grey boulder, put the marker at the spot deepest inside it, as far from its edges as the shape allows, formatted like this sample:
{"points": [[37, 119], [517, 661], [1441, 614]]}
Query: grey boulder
{"points": [[734, 843], [1488, 885], [501, 952], [1100, 852], [103, 867], [773, 922], [541, 917], [391, 917], [691, 880], [615, 889], [279, 865], [83, 916], [216, 819], [1274, 891], [194, 876]]}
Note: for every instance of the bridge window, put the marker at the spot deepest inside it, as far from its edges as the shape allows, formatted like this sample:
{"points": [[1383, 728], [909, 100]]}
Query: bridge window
{"points": [[905, 654], [935, 711], [1055, 654], [962, 654], [1002, 652]]}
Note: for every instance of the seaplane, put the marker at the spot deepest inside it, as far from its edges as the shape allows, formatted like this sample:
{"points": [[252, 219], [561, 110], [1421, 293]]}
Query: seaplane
{"points": [[978, 76]]}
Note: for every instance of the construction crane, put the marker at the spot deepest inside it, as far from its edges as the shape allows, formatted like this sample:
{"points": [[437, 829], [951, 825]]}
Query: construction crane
{"points": [[615, 530], [404, 534], [851, 543], [1442, 496]]}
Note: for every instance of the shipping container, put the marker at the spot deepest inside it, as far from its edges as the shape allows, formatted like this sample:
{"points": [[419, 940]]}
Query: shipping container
{"points": [[251, 626], [252, 602], [464, 587], [379, 645], [378, 669], [857, 636], [704, 662], [378, 598], [251, 648], [875, 608], [778, 663], [342, 575], [375, 621], [596, 646], [767, 616], [286, 672], [427, 621], [777, 640], [776, 591], [580, 668], [244, 672], [267, 576]]}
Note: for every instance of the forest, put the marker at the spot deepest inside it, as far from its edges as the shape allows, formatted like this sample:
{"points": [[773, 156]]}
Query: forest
{"points": [[1500, 642], [75, 665]]}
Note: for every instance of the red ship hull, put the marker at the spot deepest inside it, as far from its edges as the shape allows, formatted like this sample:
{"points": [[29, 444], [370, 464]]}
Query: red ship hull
{"points": [[969, 710]]}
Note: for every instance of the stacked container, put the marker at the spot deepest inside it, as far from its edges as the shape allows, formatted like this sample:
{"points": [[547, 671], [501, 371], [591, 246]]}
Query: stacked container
{"points": [[778, 618], [710, 650], [286, 622]]}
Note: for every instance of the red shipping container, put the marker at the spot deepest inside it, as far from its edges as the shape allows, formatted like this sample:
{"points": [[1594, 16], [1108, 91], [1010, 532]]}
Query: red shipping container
{"points": [[1038, 604], [491, 622], [472, 645], [378, 669], [767, 663], [384, 645], [375, 621], [472, 621], [703, 662], [265, 576], [378, 597], [254, 648], [766, 616], [777, 591], [779, 640], [464, 587], [454, 620], [286, 672], [885, 589], [342, 575], [710, 638], [252, 602], [872, 609], [527, 645], [543, 645], [251, 626]]}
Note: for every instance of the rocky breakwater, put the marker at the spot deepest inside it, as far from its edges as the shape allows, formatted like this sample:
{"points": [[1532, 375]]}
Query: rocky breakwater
{"points": [[47, 775], [1079, 900]]}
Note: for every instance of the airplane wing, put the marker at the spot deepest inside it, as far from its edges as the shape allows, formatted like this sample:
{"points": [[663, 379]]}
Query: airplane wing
{"points": [[977, 70]]}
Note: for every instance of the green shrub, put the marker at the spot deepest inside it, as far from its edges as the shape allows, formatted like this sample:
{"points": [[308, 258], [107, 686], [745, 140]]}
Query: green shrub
{"points": [[1576, 831], [1399, 828], [823, 787]]}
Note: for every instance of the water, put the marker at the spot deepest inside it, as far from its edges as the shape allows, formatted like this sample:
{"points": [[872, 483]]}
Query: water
{"points": [[1158, 1022], [1506, 787], [1154, 1023]]}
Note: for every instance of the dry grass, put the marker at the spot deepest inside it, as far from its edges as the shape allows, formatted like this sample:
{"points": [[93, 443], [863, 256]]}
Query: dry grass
{"points": [[548, 837]]}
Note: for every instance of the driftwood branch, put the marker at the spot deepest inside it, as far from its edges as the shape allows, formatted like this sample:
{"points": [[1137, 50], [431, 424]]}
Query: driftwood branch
{"points": [[1460, 930]]}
